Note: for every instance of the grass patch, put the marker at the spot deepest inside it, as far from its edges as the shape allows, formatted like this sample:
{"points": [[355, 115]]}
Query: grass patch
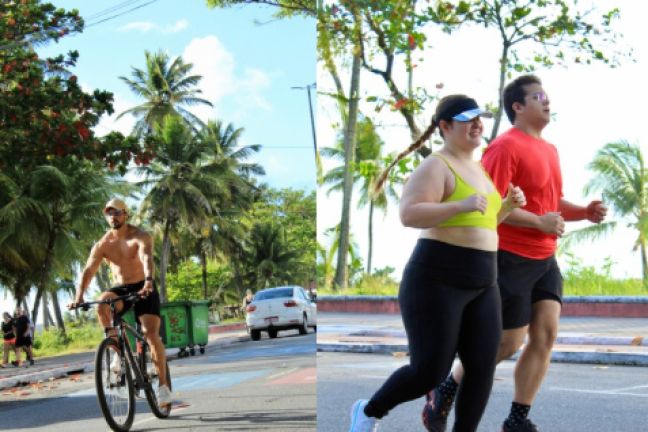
{"points": [[79, 338], [578, 280]]}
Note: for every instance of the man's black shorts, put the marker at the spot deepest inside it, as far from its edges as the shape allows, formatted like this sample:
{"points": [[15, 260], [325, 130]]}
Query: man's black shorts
{"points": [[523, 281], [148, 305], [23, 341]]}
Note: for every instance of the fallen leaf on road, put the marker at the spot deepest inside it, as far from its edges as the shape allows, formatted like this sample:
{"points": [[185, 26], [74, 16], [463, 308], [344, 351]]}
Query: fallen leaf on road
{"points": [[24, 394], [182, 405], [400, 354], [75, 377], [636, 341]]}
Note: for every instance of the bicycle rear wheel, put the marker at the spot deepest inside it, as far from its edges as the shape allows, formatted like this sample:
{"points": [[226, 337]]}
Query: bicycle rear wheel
{"points": [[115, 390], [151, 375]]}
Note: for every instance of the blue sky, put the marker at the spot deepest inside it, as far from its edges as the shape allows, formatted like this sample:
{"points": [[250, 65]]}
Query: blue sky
{"points": [[248, 70]]}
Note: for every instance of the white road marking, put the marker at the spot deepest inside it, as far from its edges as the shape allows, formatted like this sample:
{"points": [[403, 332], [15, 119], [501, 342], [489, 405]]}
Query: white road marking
{"points": [[286, 372]]}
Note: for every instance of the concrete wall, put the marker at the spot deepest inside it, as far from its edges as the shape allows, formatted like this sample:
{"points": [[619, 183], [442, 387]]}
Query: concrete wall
{"points": [[636, 307]]}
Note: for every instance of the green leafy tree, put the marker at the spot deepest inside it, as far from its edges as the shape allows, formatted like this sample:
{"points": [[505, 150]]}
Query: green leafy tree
{"points": [[538, 33], [44, 114], [167, 86], [295, 211], [621, 177], [286, 8], [270, 258], [179, 185]]}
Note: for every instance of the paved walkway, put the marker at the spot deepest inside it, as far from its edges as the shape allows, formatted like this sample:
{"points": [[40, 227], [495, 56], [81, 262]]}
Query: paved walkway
{"points": [[50, 368], [621, 341]]}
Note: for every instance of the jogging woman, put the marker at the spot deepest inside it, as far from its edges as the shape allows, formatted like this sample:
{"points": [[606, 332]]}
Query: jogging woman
{"points": [[448, 294]]}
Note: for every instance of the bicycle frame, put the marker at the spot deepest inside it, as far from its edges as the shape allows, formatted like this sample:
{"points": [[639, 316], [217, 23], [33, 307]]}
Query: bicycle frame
{"points": [[123, 328]]}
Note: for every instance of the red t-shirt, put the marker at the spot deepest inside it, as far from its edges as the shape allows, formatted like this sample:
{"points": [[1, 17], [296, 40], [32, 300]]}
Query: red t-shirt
{"points": [[533, 165]]}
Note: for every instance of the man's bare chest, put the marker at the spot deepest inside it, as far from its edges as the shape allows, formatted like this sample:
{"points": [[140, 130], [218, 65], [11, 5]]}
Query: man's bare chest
{"points": [[120, 251]]}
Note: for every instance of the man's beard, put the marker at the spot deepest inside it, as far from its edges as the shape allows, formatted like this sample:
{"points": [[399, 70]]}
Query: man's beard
{"points": [[116, 224]]}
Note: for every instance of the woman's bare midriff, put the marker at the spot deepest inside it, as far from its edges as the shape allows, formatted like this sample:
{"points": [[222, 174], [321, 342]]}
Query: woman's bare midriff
{"points": [[470, 237]]}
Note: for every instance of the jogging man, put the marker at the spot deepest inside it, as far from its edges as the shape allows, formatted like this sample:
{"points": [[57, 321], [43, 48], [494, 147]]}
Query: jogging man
{"points": [[129, 251], [529, 279]]}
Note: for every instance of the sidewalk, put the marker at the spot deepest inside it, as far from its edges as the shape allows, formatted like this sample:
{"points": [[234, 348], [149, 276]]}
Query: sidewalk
{"points": [[49, 368], [597, 340]]}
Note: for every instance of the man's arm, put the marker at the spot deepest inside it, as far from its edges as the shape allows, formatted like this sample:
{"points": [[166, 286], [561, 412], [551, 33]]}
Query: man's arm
{"points": [[146, 256], [91, 267], [550, 223], [594, 212]]}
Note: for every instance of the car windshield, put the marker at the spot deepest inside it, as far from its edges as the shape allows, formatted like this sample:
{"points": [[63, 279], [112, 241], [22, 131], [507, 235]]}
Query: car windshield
{"points": [[272, 294]]}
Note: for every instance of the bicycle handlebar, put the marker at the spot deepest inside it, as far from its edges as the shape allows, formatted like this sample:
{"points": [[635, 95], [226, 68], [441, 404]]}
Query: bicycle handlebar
{"points": [[129, 297]]}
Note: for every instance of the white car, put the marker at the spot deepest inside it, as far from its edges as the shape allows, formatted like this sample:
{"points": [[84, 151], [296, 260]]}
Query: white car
{"points": [[280, 308]]}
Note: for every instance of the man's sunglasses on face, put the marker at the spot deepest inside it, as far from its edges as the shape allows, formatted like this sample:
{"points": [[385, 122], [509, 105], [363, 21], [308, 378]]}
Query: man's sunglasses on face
{"points": [[540, 96], [114, 212]]}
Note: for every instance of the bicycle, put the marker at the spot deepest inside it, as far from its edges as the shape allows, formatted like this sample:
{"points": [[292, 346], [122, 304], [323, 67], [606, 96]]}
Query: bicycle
{"points": [[119, 376]]}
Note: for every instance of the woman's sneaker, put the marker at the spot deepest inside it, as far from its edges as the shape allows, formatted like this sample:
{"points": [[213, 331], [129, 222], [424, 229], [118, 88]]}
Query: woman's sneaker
{"points": [[359, 420]]}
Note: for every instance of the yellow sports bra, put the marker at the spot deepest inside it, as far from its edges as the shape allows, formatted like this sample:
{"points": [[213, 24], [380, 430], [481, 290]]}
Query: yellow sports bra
{"points": [[462, 191]]}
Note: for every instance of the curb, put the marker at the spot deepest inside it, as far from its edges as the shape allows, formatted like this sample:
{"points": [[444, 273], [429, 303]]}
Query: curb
{"points": [[88, 366], [608, 358], [565, 339]]}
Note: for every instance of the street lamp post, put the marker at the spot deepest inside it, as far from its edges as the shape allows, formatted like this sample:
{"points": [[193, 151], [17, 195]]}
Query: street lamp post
{"points": [[310, 108]]}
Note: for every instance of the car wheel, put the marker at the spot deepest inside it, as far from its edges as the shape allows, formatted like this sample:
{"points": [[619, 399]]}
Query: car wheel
{"points": [[303, 329], [272, 333], [255, 335]]}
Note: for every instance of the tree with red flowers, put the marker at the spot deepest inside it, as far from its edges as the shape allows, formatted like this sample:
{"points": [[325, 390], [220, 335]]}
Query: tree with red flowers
{"points": [[44, 113]]}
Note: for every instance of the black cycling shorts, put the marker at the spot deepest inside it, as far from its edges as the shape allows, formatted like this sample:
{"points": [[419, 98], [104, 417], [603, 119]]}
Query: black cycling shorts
{"points": [[149, 305], [523, 281]]}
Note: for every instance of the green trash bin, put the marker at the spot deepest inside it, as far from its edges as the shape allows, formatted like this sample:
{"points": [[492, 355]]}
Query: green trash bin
{"points": [[198, 312], [174, 328]]}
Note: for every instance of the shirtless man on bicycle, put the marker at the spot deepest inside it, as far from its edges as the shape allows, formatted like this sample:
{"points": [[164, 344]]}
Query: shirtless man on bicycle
{"points": [[129, 251]]}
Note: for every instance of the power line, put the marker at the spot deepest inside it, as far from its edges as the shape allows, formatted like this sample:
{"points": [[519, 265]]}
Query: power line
{"points": [[110, 9], [42, 35], [120, 14]]}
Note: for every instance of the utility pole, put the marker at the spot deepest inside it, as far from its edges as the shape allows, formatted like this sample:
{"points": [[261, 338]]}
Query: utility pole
{"points": [[310, 108]]}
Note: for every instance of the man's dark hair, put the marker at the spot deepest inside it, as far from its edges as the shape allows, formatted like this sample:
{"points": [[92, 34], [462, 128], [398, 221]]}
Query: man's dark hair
{"points": [[515, 92]]}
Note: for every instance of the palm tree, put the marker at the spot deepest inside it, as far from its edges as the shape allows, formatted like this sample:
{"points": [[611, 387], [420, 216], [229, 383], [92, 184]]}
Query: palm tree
{"points": [[621, 177], [367, 166], [63, 218], [180, 187], [167, 87], [270, 258]]}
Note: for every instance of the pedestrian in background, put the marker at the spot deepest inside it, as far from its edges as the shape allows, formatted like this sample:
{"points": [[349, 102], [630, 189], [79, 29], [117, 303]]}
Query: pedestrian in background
{"points": [[9, 339]]}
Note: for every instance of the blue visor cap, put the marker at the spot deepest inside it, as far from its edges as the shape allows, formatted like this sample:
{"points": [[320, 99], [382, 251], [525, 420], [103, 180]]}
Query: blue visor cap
{"points": [[463, 109]]}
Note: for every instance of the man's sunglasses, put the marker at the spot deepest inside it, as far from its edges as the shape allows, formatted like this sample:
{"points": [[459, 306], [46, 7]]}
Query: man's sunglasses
{"points": [[540, 96], [114, 212]]}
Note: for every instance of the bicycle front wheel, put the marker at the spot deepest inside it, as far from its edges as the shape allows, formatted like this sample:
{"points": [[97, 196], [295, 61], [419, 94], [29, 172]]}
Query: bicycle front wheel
{"points": [[153, 384], [115, 390]]}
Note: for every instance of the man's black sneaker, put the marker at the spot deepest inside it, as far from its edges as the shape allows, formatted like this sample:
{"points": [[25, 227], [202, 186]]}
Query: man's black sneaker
{"points": [[526, 426], [436, 410], [31, 362]]}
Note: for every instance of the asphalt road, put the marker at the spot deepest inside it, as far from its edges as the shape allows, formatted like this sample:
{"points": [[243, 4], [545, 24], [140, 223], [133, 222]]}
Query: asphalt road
{"points": [[574, 398], [267, 385]]}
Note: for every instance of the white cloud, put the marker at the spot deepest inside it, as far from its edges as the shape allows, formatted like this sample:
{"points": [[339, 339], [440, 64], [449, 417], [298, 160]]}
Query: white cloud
{"points": [[142, 26], [177, 27], [217, 66], [111, 123]]}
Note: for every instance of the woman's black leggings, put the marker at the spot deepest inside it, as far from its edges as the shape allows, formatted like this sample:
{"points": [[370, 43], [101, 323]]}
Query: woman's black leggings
{"points": [[450, 304]]}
